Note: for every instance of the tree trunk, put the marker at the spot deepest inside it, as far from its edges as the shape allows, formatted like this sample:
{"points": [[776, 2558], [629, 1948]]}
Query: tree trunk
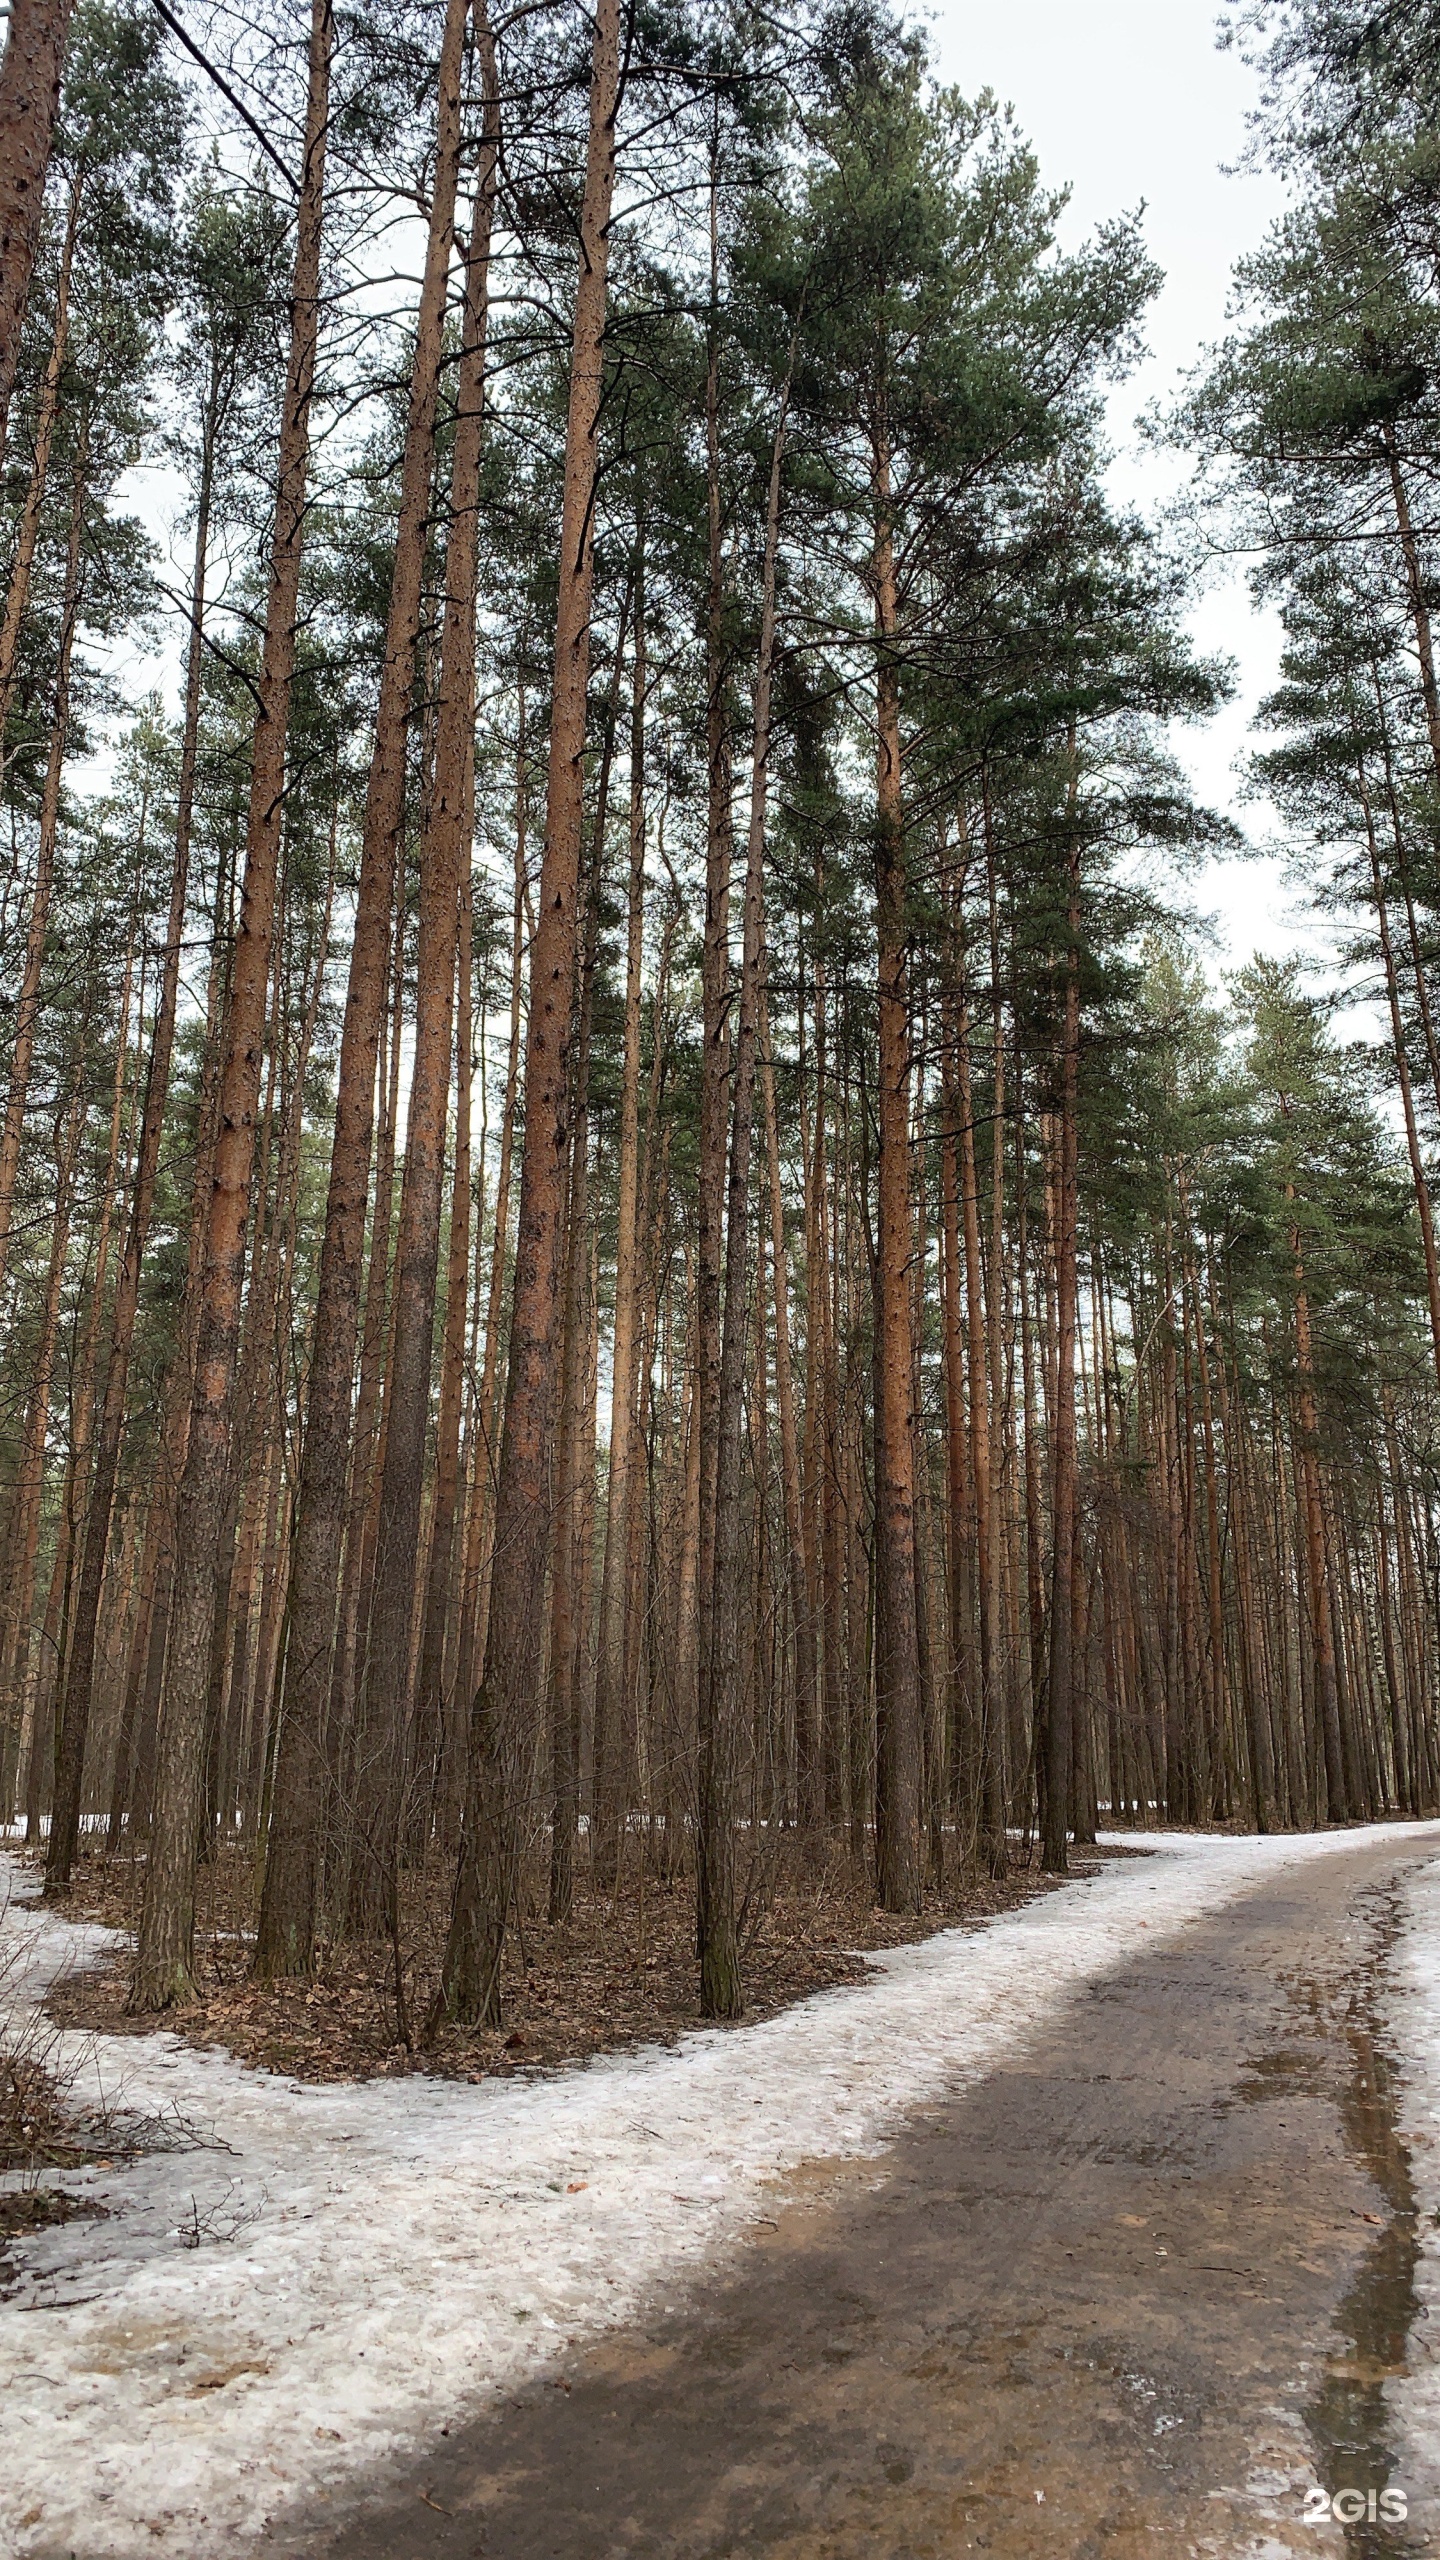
{"points": [[27, 1002], [575, 1440], [809, 1777], [29, 101], [444, 853], [367, 1437], [721, 1676], [432, 1718], [17, 593], [987, 1561], [1034, 1578], [566, 1625], [612, 1740], [290, 1899], [84, 1355], [964, 1752], [501, 1731], [132, 1786], [714, 983], [1060, 1695], [1423, 1207], [897, 1674], [163, 1973], [80, 1669], [23, 1539], [1322, 1633], [1419, 603]]}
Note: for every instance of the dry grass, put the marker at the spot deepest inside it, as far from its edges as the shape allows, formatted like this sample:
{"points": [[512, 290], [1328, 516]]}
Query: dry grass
{"points": [[621, 1972]]}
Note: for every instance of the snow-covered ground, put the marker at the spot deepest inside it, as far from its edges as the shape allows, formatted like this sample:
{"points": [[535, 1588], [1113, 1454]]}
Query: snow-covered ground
{"points": [[366, 2263]]}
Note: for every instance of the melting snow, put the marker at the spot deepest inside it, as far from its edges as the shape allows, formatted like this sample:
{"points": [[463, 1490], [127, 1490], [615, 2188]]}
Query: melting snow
{"points": [[1414, 2022], [373, 2260]]}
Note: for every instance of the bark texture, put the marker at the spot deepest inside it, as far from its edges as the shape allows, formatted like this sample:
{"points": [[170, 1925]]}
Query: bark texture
{"points": [[30, 72], [290, 1900], [163, 1967], [503, 1726]]}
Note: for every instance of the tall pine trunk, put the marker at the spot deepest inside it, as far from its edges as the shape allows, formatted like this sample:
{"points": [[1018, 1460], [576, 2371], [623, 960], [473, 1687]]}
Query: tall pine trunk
{"points": [[714, 990], [290, 1899], [898, 1866], [27, 1003], [29, 102], [722, 1672], [163, 1973], [809, 1780], [80, 1668], [1312, 1513], [17, 1601], [1061, 1686], [503, 1721], [17, 594], [444, 854], [433, 1721], [612, 1738]]}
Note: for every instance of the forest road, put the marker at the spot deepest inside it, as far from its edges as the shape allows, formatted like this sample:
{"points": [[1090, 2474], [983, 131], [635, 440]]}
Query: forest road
{"points": [[1127, 2295]]}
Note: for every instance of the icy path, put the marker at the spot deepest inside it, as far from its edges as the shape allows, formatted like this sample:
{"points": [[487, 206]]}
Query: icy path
{"points": [[403, 2248]]}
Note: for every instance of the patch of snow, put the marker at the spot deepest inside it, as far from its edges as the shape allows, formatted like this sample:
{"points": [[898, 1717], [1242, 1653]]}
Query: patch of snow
{"points": [[399, 2250], [1413, 2008]]}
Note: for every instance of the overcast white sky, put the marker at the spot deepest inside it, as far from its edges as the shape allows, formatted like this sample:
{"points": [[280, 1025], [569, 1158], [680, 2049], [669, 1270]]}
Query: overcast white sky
{"points": [[1131, 103]]}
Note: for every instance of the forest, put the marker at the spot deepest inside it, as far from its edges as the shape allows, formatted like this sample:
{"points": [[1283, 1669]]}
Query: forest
{"points": [[642, 1249]]}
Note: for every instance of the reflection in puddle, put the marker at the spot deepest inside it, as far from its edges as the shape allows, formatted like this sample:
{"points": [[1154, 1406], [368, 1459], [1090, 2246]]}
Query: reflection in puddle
{"points": [[1349, 2419]]}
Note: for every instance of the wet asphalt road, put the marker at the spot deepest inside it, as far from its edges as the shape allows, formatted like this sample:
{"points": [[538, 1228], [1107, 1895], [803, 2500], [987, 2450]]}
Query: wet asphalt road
{"points": [[1129, 2295]]}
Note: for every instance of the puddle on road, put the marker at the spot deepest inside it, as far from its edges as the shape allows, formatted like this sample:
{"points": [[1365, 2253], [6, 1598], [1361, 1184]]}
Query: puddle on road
{"points": [[1288, 2072], [1349, 2420]]}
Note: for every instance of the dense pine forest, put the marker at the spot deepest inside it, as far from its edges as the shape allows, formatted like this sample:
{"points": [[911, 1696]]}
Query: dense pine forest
{"points": [[640, 1242]]}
